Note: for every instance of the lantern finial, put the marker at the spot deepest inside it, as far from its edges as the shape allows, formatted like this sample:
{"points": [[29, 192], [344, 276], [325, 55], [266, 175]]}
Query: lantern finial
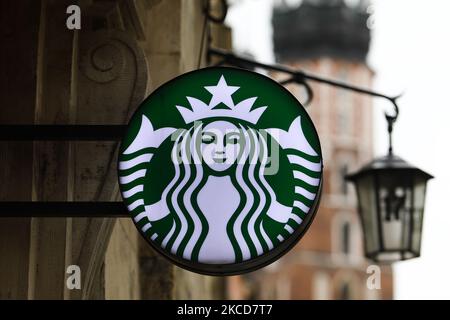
{"points": [[391, 120]]}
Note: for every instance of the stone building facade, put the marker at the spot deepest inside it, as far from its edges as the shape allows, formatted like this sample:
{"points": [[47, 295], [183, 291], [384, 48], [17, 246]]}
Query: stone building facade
{"points": [[331, 39]]}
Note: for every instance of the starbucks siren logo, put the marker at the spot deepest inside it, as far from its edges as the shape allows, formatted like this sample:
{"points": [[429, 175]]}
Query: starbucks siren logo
{"points": [[221, 170]]}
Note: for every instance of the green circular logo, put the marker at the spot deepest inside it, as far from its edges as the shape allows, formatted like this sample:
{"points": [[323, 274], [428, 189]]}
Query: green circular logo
{"points": [[221, 170]]}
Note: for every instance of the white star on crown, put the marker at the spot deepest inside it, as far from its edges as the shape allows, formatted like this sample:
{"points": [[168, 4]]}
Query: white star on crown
{"points": [[221, 94]]}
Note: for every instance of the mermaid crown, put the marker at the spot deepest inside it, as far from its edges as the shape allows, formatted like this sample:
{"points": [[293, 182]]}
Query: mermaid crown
{"points": [[221, 94]]}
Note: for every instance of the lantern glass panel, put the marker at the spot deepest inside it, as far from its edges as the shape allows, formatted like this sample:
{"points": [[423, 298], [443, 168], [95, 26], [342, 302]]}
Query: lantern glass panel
{"points": [[419, 203], [368, 210], [394, 193]]}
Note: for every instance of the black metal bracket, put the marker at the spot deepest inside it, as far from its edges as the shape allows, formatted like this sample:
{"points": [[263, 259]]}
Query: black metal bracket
{"points": [[61, 132], [62, 209], [299, 76]]}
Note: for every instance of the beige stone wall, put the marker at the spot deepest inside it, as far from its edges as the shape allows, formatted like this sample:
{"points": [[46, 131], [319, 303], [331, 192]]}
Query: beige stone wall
{"points": [[122, 262], [189, 285]]}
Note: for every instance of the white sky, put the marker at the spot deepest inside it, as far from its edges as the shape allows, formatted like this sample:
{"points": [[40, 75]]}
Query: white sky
{"points": [[410, 53]]}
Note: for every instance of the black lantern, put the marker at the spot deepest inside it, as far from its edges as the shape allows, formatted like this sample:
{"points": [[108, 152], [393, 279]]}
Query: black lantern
{"points": [[391, 198]]}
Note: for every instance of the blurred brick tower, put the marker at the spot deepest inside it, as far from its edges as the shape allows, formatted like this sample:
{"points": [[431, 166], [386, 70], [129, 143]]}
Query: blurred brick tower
{"points": [[328, 38]]}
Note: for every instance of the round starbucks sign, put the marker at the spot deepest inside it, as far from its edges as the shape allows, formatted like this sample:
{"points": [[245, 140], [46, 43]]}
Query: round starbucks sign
{"points": [[221, 170]]}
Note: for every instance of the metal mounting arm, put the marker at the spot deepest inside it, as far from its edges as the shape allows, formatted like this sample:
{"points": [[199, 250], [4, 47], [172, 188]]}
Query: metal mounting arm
{"points": [[301, 77]]}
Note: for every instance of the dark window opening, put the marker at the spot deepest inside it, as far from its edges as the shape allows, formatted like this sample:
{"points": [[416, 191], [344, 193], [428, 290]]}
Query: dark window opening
{"points": [[344, 291], [343, 183], [345, 238]]}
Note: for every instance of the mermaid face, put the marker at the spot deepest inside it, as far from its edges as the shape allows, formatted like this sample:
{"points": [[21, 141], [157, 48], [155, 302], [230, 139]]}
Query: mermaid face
{"points": [[220, 145]]}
